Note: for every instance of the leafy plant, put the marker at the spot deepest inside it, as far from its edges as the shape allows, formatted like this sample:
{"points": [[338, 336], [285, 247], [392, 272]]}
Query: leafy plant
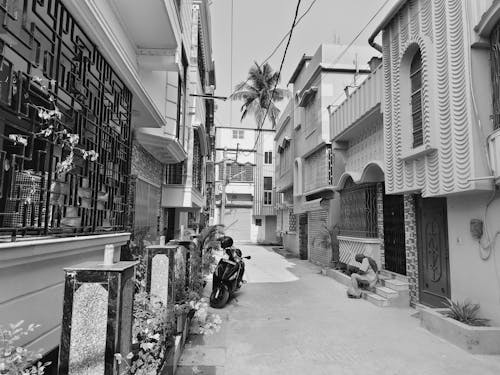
{"points": [[465, 312], [328, 239], [14, 359]]}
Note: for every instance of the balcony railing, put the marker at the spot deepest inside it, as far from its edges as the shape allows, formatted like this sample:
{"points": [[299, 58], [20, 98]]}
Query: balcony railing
{"points": [[48, 61]]}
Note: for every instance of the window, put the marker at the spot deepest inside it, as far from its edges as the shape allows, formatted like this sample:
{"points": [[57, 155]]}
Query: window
{"points": [[268, 183], [238, 134], [268, 157], [358, 210], [268, 191], [258, 222], [174, 174], [416, 99], [268, 198]]}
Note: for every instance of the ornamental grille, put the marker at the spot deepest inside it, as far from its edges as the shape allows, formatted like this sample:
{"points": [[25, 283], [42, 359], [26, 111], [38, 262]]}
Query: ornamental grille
{"points": [[41, 42], [197, 163], [495, 74], [358, 210]]}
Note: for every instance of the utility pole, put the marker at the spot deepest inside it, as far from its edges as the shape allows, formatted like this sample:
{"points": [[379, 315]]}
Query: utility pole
{"points": [[224, 182]]}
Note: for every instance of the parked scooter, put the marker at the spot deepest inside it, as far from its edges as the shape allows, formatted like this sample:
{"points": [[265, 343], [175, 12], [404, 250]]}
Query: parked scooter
{"points": [[228, 276]]}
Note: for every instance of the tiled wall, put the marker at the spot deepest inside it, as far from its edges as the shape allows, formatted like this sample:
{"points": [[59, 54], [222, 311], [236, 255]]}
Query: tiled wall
{"points": [[411, 247], [380, 221]]}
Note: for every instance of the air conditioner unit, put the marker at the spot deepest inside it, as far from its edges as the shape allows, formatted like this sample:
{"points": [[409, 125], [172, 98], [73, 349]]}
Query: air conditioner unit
{"points": [[494, 154]]}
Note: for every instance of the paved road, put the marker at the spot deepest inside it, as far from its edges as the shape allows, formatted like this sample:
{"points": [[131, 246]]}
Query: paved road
{"points": [[291, 320]]}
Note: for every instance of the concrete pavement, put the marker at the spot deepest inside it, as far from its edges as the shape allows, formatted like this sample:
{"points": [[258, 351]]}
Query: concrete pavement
{"points": [[289, 319]]}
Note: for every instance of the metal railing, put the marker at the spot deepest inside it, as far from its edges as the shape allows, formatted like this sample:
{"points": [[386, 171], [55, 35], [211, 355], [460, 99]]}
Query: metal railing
{"points": [[56, 65]]}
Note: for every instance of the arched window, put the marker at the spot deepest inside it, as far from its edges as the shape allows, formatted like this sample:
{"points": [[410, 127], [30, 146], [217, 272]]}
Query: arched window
{"points": [[416, 99]]}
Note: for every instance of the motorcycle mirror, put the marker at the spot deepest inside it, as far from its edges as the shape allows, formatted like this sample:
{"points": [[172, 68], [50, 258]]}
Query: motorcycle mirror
{"points": [[248, 257]]}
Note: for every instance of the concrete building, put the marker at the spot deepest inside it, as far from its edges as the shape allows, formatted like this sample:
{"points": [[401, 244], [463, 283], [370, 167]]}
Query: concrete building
{"points": [[319, 81], [249, 213], [358, 176], [124, 89], [440, 146], [284, 151]]}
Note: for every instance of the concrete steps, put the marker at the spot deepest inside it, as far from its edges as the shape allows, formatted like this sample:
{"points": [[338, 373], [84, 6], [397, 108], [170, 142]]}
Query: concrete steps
{"points": [[392, 290]]}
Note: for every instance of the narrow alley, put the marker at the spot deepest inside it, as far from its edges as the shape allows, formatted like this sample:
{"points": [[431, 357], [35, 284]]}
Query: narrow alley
{"points": [[289, 319]]}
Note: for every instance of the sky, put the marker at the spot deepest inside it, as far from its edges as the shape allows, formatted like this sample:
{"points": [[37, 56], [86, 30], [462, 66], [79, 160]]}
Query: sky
{"points": [[259, 25]]}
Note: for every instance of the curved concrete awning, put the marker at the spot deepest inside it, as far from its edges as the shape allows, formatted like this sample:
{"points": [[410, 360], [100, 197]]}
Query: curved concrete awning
{"points": [[372, 172]]}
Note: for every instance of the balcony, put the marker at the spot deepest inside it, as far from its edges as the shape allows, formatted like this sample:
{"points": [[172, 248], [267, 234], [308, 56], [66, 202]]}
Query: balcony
{"points": [[346, 121], [178, 191]]}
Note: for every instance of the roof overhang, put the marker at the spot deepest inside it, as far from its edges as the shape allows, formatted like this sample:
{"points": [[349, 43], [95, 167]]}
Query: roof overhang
{"points": [[164, 147], [314, 205], [299, 67], [489, 20]]}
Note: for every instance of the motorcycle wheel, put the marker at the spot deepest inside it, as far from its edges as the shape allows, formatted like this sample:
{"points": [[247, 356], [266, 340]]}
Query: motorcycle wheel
{"points": [[221, 299]]}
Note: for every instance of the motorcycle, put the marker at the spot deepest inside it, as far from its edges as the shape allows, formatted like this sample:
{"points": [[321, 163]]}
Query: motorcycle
{"points": [[228, 275]]}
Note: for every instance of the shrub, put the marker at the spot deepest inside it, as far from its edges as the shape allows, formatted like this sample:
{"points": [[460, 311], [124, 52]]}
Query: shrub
{"points": [[14, 359], [465, 312]]}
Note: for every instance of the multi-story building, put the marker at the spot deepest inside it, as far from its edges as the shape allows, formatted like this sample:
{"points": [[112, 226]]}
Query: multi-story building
{"points": [[248, 212], [319, 81], [123, 89], [440, 146], [283, 171], [358, 177]]}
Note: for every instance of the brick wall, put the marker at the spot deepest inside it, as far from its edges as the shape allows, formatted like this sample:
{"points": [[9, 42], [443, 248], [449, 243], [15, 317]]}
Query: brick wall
{"points": [[145, 165], [380, 221], [316, 170], [411, 247]]}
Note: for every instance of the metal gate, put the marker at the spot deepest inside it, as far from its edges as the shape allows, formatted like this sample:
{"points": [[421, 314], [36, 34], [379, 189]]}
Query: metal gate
{"points": [[303, 236], [394, 234]]}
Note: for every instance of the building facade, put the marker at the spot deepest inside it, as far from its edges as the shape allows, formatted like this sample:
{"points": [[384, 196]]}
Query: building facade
{"points": [[119, 94], [319, 81], [246, 155], [284, 151], [358, 175], [439, 145]]}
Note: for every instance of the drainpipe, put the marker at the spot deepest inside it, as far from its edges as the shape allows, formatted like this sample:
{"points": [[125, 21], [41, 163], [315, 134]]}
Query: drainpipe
{"points": [[384, 23]]}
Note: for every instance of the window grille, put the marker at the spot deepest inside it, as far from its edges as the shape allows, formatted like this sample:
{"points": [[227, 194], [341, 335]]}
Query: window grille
{"points": [[268, 183], [197, 163], [292, 221], [495, 74], [416, 99], [358, 210], [95, 104], [238, 172], [175, 174]]}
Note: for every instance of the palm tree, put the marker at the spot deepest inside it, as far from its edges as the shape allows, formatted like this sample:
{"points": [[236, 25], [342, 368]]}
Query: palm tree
{"points": [[259, 93]]}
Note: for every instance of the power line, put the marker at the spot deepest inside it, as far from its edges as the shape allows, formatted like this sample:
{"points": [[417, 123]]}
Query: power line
{"points": [[280, 42], [279, 72]]}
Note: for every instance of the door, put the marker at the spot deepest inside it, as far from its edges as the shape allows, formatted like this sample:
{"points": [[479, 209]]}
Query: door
{"points": [[238, 222], [432, 246], [394, 234], [303, 236]]}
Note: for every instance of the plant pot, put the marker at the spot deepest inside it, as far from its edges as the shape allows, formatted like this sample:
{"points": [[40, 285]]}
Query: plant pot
{"points": [[475, 340]]}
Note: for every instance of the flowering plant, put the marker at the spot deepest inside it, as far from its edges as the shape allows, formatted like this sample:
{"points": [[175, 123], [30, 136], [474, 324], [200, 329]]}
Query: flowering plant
{"points": [[52, 128], [14, 359]]}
